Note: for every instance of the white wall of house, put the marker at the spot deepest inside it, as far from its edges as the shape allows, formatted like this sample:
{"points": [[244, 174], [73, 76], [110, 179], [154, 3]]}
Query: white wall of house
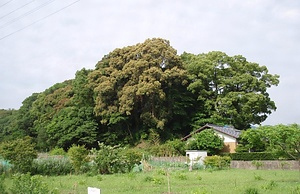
{"points": [[227, 138]]}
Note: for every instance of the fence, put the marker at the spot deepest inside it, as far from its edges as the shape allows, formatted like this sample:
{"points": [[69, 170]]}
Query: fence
{"points": [[266, 164], [259, 164], [170, 159]]}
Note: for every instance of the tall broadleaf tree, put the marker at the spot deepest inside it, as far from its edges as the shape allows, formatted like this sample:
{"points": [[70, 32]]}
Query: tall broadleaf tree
{"points": [[46, 106], [25, 118], [75, 123], [229, 90], [133, 87], [8, 125]]}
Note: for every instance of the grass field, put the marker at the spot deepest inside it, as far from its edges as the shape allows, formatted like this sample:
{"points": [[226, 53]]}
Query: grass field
{"points": [[181, 181]]}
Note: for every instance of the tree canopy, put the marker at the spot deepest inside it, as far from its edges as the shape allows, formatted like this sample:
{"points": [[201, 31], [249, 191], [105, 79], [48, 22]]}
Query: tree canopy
{"points": [[229, 90], [138, 88], [281, 139], [206, 140], [144, 92]]}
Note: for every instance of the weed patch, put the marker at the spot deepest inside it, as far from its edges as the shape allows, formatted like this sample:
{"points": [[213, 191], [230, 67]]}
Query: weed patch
{"points": [[251, 190]]}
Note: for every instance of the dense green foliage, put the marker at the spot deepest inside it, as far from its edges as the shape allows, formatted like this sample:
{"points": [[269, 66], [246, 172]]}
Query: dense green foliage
{"points": [[250, 156], [115, 159], [52, 166], [218, 162], [24, 183], [282, 140], [144, 92], [138, 89], [229, 90], [169, 148], [57, 151], [8, 125], [206, 140], [2, 185], [78, 156], [20, 153]]}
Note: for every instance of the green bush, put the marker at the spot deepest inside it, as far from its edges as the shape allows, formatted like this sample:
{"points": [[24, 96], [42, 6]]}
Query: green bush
{"points": [[132, 156], [114, 159], [20, 153], [24, 183], [57, 151], [206, 140], [78, 156], [218, 162], [176, 147], [157, 150], [52, 166], [106, 159], [170, 148], [250, 156], [2, 186]]}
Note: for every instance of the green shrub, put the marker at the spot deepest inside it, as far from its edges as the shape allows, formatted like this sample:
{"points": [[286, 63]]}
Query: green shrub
{"points": [[114, 159], [20, 153], [78, 156], [24, 183], [57, 151], [132, 156], [249, 156], [206, 140], [52, 166], [170, 148], [161, 150], [218, 162], [107, 159], [2, 186]]}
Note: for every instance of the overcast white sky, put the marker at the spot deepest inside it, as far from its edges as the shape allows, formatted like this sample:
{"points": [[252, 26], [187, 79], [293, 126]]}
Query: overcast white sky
{"points": [[52, 47]]}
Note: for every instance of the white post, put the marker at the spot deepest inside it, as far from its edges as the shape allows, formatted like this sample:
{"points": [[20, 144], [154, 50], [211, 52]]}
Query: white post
{"points": [[92, 190]]}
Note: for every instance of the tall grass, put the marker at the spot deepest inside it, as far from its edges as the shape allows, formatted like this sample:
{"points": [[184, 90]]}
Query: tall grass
{"points": [[163, 180], [52, 166]]}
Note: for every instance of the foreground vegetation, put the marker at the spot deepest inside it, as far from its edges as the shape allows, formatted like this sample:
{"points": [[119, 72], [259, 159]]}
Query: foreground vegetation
{"points": [[117, 169], [164, 180]]}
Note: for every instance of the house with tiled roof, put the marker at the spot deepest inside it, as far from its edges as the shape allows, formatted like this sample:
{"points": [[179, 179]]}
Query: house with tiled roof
{"points": [[228, 133]]}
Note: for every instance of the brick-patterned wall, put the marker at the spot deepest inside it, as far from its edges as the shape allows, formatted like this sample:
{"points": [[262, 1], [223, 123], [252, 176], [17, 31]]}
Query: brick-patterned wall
{"points": [[266, 164]]}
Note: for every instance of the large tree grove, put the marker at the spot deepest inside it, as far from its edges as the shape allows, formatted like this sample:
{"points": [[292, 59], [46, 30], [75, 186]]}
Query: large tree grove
{"points": [[144, 92]]}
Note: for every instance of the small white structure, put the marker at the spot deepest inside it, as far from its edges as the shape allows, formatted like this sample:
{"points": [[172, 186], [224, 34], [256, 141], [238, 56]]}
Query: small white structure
{"points": [[195, 156], [93, 190]]}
